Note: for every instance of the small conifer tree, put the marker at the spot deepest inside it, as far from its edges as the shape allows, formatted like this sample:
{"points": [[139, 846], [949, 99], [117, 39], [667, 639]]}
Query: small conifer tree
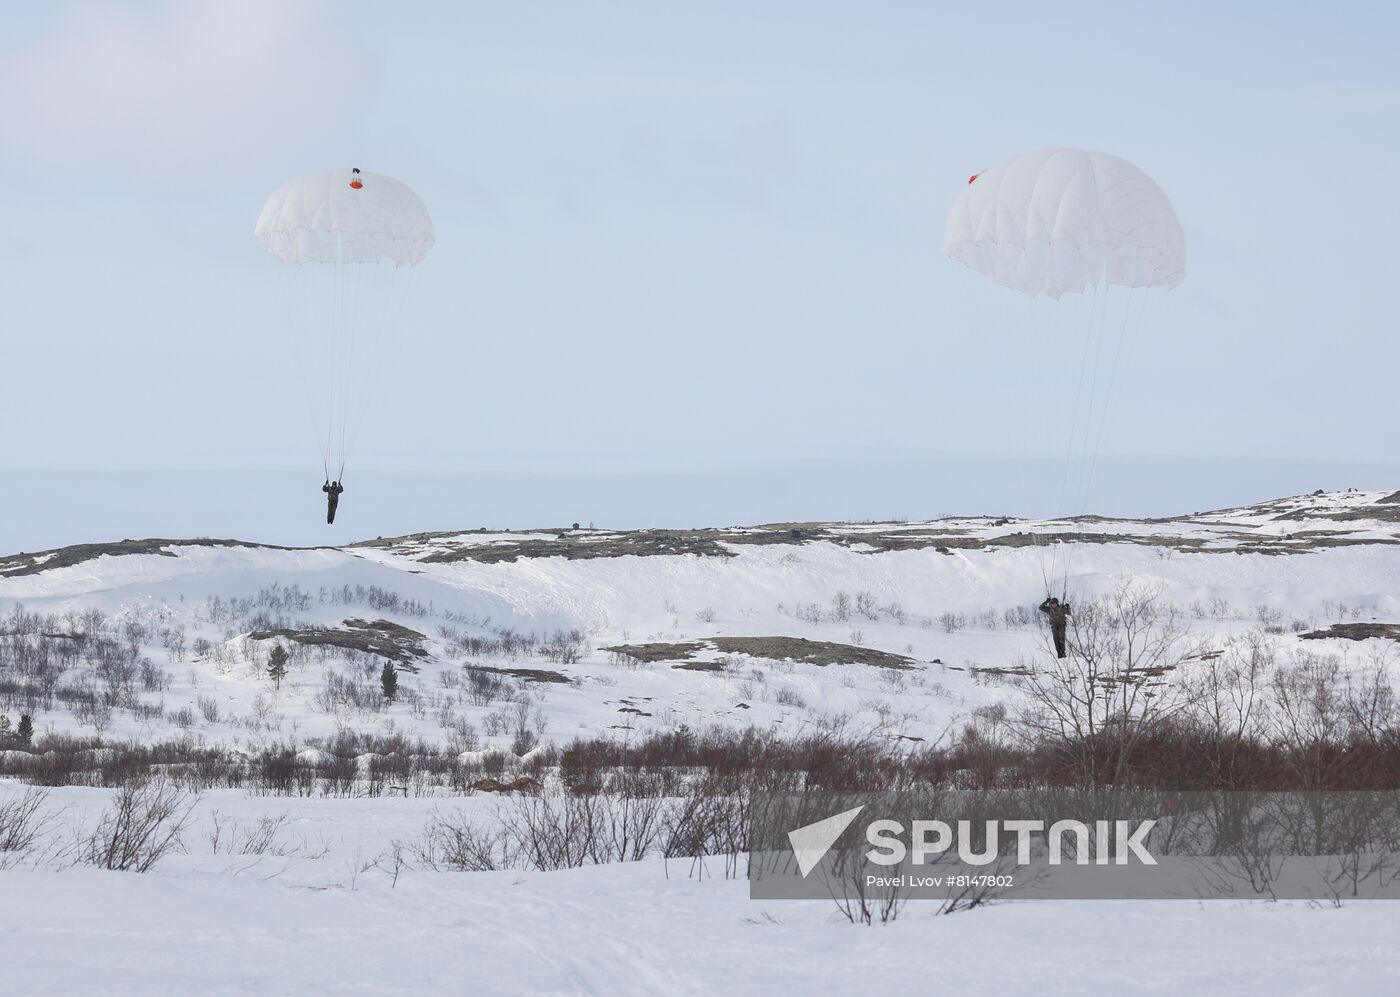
{"points": [[277, 665]]}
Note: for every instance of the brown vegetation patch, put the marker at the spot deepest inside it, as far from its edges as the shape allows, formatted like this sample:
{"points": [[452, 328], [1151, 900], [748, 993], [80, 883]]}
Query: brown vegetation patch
{"points": [[1356, 631], [657, 652], [526, 674], [380, 637], [15, 565], [810, 652]]}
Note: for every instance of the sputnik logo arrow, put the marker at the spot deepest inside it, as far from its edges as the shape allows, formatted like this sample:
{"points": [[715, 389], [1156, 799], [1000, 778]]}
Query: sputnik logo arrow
{"points": [[811, 842]]}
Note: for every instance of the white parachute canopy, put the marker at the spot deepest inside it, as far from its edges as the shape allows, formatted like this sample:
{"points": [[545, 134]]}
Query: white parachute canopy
{"points": [[1062, 220], [346, 216]]}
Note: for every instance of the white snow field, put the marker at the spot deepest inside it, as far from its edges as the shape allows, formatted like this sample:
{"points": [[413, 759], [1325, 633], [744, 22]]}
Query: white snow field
{"points": [[207, 924], [951, 596], [910, 616]]}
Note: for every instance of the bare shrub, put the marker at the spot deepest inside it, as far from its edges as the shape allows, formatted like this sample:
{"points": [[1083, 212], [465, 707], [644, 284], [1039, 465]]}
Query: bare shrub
{"points": [[25, 823], [1018, 617], [526, 726], [228, 836], [1115, 687], [1230, 709], [144, 824], [791, 698], [91, 708], [462, 737], [484, 688], [153, 677], [564, 832], [451, 842]]}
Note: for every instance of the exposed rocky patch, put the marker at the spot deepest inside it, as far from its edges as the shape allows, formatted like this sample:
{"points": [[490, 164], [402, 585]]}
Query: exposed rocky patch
{"points": [[573, 545], [656, 652], [810, 652], [526, 674], [380, 637], [15, 565], [1249, 529], [1356, 631]]}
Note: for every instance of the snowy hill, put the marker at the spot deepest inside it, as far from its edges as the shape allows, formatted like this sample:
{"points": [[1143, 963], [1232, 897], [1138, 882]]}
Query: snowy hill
{"points": [[509, 641], [900, 626]]}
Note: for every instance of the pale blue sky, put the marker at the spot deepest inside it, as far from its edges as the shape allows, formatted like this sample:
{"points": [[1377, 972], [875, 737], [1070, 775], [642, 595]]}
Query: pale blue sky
{"points": [[683, 246]]}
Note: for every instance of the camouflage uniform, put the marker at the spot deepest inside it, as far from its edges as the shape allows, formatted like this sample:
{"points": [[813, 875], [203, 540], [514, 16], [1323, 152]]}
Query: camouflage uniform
{"points": [[1059, 622], [332, 490]]}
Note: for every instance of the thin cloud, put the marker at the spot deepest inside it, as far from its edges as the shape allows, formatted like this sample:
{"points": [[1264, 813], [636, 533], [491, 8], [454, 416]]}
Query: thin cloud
{"points": [[179, 85]]}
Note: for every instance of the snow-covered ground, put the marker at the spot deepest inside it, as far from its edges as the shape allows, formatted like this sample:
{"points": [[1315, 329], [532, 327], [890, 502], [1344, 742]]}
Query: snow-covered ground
{"points": [[952, 596], [940, 600], [335, 923]]}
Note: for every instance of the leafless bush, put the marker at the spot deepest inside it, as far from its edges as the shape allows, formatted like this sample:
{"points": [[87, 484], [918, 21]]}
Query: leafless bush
{"points": [[1229, 707], [451, 842], [91, 708], [564, 647], [484, 688], [342, 691], [553, 831], [153, 677], [710, 818], [462, 737], [496, 722], [144, 824], [25, 823], [1115, 687], [1018, 617], [791, 698]]}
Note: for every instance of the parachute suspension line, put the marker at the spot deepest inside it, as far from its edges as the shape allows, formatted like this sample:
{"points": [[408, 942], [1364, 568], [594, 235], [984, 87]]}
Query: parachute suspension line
{"points": [[1090, 403], [1078, 396], [385, 294], [352, 293], [335, 278], [1093, 454], [301, 312], [338, 359], [1058, 558]]}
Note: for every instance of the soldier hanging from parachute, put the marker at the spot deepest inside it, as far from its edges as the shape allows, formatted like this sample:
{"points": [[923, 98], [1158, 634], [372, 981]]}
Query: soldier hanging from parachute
{"points": [[338, 227], [1064, 221]]}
